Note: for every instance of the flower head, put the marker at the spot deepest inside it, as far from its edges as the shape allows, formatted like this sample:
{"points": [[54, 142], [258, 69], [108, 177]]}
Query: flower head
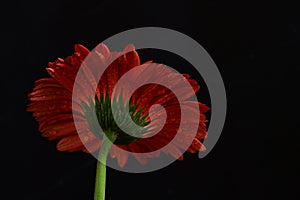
{"points": [[51, 104]]}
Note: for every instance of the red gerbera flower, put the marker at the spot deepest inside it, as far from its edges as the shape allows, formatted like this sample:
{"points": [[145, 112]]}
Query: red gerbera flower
{"points": [[51, 104]]}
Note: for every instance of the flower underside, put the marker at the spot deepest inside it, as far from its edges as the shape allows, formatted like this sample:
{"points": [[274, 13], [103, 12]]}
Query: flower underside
{"points": [[102, 108]]}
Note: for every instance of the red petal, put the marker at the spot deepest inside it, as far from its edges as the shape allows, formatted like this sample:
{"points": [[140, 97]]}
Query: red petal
{"points": [[55, 119], [70, 143], [196, 146], [121, 156], [103, 50], [81, 49], [91, 142], [173, 151]]}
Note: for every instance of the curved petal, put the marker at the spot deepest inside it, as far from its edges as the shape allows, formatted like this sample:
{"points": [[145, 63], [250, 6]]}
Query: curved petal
{"points": [[121, 156], [70, 143]]}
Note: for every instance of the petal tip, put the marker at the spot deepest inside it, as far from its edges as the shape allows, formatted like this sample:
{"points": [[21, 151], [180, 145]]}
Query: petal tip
{"points": [[81, 49]]}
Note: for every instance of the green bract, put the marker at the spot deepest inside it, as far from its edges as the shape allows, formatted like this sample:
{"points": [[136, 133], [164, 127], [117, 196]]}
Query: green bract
{"points": [[105, 118]]}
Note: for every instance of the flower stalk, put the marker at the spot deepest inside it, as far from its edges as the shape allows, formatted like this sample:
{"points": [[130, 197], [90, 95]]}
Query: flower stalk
{"points": [[100, 183]]}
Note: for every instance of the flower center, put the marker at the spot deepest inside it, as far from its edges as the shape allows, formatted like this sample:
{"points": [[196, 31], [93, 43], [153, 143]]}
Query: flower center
{"points": [[106, 119]]}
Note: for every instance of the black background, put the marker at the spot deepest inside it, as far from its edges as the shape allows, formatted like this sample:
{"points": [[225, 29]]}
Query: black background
{"points": [[255, 46]]}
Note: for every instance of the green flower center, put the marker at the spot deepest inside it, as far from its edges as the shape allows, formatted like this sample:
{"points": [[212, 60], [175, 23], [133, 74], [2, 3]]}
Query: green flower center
{"points": [[105, 118]]}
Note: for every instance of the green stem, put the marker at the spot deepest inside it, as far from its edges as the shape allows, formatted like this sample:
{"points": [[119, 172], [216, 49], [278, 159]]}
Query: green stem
{"points": [[101, 169]]}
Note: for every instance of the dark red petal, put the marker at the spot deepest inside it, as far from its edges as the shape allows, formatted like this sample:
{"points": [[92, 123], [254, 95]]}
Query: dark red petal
{"points": [[112, 74], [136, 148], [90, 141], [121, 156], [93, 146], [54, 134], [157, 94], [103, 50], [196, 146], [64, 70], [63, 80], [173, 151], [49, 91], [45, 82], [81, 49], [120, 65], [132, 58], [70, 143], [55, 119], [170, 128]]}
